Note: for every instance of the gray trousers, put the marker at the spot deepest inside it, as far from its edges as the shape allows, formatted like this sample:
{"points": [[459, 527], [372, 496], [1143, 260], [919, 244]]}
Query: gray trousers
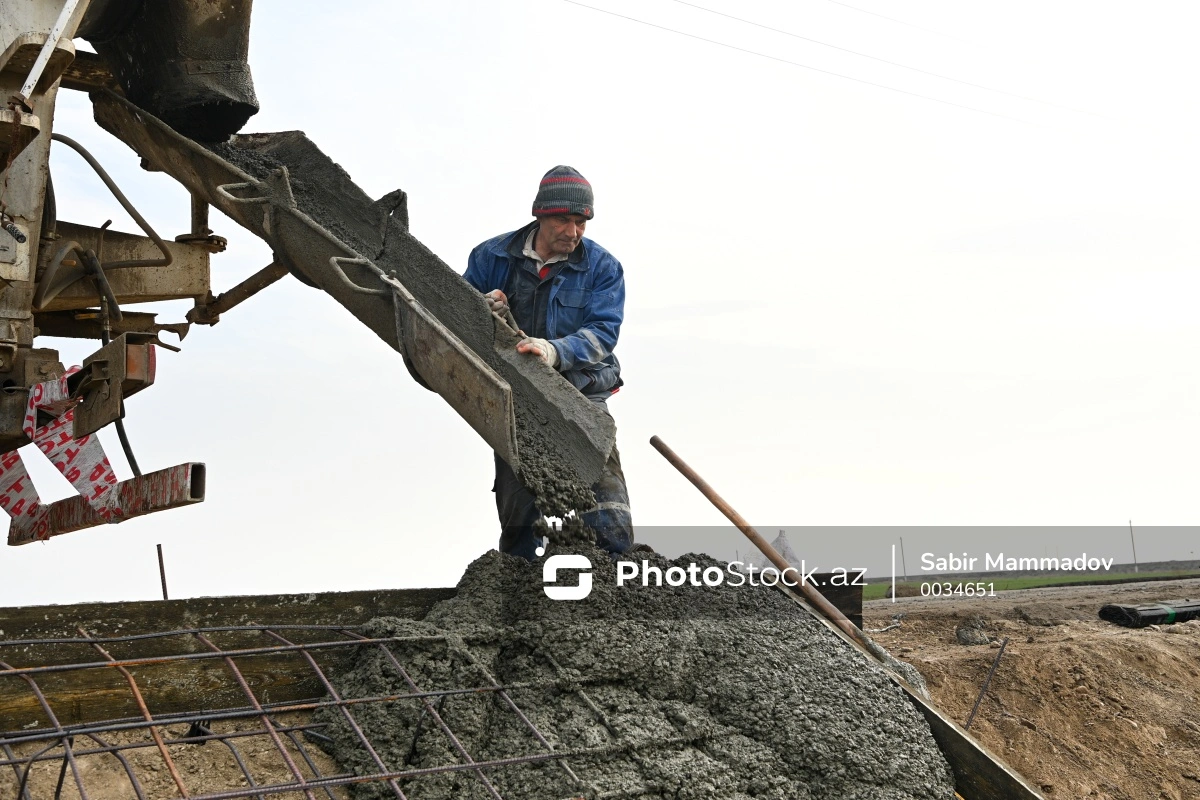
{"points": [[612, 519]]}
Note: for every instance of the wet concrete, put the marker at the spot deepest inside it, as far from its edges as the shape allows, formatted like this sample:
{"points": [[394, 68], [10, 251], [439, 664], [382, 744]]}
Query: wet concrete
{"points": [[556, 427], [695, 692]]}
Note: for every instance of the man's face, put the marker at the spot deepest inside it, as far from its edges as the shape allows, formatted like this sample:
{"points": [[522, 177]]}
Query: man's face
{"points": [[560, 234]]}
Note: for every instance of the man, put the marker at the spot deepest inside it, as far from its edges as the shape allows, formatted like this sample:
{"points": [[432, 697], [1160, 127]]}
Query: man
{"points": [[567, 294]]}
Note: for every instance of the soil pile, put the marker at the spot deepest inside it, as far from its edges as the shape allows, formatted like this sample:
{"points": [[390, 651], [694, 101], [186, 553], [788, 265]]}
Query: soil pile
{"points": [[1081, 707], [688, 692]]}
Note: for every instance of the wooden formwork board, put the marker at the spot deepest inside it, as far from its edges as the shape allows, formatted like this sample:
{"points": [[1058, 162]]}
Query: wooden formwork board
{"points": [[90, 696]]}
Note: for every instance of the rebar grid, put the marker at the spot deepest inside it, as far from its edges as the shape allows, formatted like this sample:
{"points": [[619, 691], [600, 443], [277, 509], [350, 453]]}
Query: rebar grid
{"points": [[284, 730]]}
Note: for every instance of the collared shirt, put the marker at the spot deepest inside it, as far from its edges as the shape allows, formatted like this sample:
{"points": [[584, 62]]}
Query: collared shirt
{"points": [[531, 253], [528, 287]]}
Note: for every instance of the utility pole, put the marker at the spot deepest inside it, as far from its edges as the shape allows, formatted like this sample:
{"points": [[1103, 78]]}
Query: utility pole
{"points": [[902, 561], [1134, 545]]}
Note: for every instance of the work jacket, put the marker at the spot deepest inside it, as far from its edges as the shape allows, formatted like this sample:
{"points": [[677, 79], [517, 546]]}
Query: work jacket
{"points": [[585, 308]]}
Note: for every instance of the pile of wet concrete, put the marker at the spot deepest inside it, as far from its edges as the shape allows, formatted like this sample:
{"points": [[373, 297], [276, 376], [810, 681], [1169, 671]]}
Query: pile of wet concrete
{"points": [[688, 692]]}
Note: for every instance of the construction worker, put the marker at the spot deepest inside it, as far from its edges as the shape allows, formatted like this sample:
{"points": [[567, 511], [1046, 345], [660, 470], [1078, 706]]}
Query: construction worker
{"points": [[567, 294]]}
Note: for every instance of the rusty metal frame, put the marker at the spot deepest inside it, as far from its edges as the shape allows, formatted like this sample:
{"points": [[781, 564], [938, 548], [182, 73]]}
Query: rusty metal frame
{"points": [[22, 749], [172, 487], [187, 277]]}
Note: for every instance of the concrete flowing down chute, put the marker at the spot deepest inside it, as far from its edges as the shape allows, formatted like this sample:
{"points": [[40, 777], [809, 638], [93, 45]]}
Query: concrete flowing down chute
{"points": [[331, 235]]}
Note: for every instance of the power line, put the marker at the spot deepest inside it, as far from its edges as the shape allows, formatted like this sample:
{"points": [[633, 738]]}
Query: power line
{"points": [[898, 21], [796, 63], [856, 53]]}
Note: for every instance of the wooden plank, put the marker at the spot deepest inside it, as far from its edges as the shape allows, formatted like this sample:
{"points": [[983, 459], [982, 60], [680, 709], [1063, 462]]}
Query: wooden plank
{"points": [[98, 694]]}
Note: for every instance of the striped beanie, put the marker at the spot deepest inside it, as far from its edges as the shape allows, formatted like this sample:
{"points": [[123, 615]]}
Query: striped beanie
{"points": [[563, 191]]}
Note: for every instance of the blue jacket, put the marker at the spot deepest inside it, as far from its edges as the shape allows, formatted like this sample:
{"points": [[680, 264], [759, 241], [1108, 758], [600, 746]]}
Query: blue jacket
{"points": [[585, 311]]}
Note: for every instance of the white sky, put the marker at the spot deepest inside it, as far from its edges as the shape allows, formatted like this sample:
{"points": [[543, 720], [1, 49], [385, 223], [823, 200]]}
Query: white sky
{"points": [[846, 305]]}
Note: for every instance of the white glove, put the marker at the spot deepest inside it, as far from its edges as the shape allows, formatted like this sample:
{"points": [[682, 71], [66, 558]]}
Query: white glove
{"points": [[540, 348], [497, 301]]}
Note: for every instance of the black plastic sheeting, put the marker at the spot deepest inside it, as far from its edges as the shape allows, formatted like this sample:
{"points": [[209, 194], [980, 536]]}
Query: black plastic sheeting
{"points": [[1150, 614]]}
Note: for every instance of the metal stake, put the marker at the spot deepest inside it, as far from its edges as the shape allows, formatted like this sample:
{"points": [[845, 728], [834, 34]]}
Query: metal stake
{"points": [[162, 572], [986, 682]]}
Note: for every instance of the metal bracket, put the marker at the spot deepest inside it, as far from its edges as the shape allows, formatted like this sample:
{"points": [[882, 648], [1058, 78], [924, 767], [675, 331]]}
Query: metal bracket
{"points": [[119, 369], [336, 263]]}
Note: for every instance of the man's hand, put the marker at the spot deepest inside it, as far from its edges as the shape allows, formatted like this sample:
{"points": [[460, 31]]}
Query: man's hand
{"points": [[497, 302], [540, 348]]}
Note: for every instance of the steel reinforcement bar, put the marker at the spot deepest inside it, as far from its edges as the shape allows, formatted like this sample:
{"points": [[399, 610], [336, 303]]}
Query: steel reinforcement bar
{"points": [[267, 748]]}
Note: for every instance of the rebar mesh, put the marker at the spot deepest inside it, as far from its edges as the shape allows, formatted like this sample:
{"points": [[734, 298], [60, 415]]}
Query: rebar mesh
{"points": [[129, 738]]}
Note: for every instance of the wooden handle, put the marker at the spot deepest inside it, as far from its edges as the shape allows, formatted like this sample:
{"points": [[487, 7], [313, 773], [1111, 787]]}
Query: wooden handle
{"points": [[828, 609]]}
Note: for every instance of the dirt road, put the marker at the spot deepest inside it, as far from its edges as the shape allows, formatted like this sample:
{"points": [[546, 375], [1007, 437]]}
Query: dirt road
{"points": [[1081, 707]]}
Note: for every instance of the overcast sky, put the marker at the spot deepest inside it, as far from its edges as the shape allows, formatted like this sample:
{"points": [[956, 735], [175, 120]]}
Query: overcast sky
{"points": [[959, 300]]}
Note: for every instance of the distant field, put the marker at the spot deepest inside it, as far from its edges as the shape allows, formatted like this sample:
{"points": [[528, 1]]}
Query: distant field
{"points": [[877, 591]]}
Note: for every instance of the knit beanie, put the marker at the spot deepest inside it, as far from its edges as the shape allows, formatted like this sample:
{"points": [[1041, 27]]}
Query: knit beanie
{"points": [[563, 191]]}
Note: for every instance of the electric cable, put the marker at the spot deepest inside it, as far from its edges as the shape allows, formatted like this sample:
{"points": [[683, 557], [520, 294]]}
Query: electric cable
{"points": [[797, 63], [898, 21], [133, 465], [864, 55], [109, 308], [119, 422], [167, 258]]}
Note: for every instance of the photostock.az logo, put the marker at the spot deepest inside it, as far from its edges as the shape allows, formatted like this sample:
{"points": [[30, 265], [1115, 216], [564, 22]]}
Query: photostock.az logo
{"points": [[567, 561]]}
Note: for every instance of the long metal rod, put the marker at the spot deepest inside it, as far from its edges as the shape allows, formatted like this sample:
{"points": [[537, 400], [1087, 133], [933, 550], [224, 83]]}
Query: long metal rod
{"points": [[249, 287], [62, 737], [162, 572], [245, 712], [12, 761], [507, 698], [152, 727], [441, 723], [828, 609], [212, 654], [135, 637], [207, 314], [52, 40], [266, 719], [303, 751], [129, 773], [111, 749], [349, 717], [986, 682]]}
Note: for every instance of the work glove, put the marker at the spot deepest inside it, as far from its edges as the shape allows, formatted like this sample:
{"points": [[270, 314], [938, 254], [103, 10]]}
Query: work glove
{"points": [[497, 302], [540, 348]]}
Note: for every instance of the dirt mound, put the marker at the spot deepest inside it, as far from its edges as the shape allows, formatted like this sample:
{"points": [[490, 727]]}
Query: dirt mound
{"points": [[668, 692], [1081, 707]]}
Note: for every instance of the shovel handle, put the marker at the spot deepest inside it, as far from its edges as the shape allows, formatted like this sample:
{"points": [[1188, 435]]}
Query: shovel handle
{"points": [[815, 598]]}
